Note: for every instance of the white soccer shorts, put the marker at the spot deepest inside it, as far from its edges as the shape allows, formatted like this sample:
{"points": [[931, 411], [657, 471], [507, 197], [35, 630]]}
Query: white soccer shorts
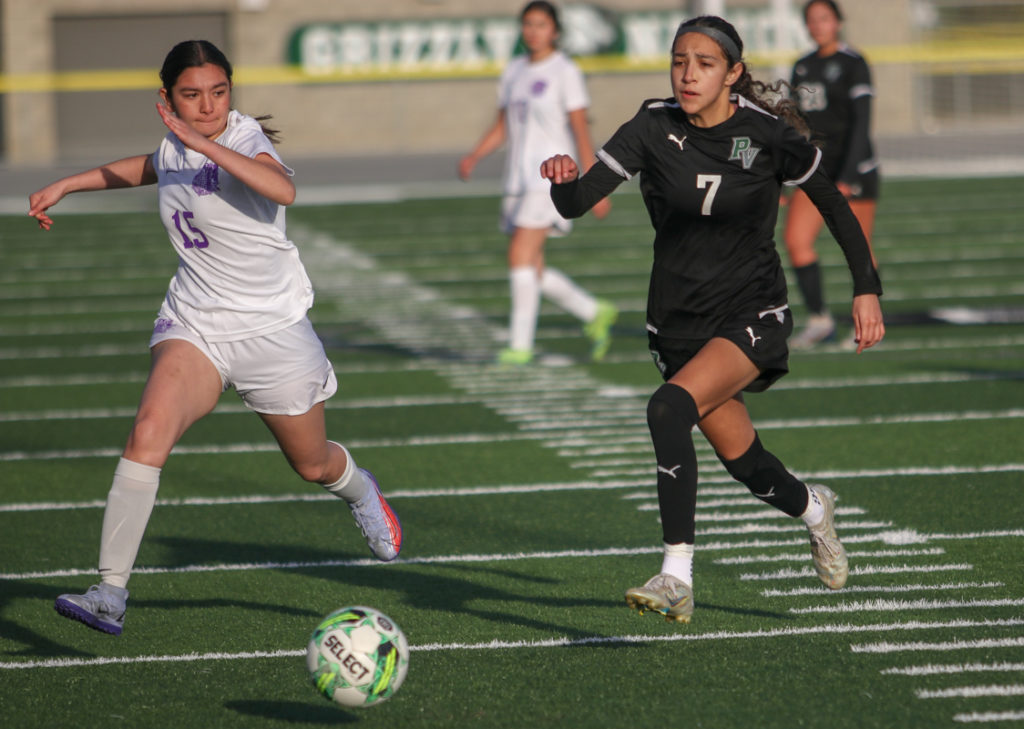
{"points": [[283, 373]]}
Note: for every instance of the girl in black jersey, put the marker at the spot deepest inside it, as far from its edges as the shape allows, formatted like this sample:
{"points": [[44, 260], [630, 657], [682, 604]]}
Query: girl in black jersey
{"points": [[712, 160], [832, 85]]}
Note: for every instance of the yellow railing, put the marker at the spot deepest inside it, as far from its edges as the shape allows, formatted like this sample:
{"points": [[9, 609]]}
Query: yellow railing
{"points": [[998, 56]]}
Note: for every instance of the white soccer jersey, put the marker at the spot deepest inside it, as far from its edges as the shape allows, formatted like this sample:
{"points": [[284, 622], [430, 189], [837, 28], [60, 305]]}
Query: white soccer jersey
{"points": [[537, 99], [238, 274]]}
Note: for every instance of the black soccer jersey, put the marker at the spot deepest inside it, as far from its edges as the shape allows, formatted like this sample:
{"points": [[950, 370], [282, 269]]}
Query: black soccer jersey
{"points": [[834, 93], [713, 196]]}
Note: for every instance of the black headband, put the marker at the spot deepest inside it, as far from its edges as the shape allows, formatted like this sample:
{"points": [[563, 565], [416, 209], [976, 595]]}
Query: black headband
{"points": [[727, 43]]}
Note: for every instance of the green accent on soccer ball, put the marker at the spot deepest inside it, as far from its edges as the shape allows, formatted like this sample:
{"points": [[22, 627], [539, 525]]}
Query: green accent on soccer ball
{"points": [[325, 684], [345, 617], [387, 672]]}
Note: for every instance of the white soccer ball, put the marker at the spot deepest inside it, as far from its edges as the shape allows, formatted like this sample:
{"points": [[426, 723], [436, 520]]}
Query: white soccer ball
{"points": [[357, 656]]}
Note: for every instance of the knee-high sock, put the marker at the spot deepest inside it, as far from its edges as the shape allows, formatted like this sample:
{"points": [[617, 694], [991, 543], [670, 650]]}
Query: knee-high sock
{"points": [[768, 479], [525, 290], [561, 290], [350, 486], [671, 415], [808, 280], [129, 504]]}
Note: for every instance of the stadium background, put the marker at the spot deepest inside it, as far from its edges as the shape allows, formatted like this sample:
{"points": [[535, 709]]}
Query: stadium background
{"points": [[513, 609], [392, 93]]}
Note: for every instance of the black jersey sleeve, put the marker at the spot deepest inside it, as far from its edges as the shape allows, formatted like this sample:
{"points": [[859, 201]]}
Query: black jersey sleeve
{"points": [[859, 144], [625, 152], [572, 199], [846, 230], [618, 160], [796, 159]]}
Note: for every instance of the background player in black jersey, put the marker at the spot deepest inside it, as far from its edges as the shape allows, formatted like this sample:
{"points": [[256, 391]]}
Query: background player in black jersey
{"points": [[833, 88], [712, 161]]}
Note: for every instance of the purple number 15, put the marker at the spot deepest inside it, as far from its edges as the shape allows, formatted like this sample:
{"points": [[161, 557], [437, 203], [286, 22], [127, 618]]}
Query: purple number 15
{"points": [[199, 239]]}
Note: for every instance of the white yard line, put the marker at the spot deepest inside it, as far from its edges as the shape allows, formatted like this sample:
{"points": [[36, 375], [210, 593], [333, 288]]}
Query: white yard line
{"points": [[987, 717], [802, 556], [904, 605], [946, 645], [562, 642], [903, 587], [861, 571], [952, 668], [971, 692], [706, 546]]}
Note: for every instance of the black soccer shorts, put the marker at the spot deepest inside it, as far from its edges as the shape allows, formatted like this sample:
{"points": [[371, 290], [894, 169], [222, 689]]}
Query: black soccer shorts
{"points": [[761, 336]]}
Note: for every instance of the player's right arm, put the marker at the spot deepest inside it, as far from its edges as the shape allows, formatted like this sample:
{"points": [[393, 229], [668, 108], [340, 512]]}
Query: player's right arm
{"points": [[574, 192], [492, 139], [574, 195], [128, 172]]}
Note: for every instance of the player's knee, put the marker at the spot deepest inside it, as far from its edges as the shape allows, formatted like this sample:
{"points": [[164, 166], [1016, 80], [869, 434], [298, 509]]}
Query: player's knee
{"points": [[671, 408], [745, 468], [150, 440], [313, 471]]}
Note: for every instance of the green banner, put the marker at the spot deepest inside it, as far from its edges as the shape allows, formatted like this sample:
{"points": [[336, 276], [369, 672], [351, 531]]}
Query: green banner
{"points": [[466, 43]]}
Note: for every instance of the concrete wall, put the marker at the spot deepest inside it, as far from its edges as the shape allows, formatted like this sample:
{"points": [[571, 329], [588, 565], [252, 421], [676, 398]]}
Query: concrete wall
{"points": [[352, 118]]}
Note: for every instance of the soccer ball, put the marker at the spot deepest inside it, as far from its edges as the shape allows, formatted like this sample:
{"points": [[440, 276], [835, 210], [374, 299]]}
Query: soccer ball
{"points": [[357, 656]]}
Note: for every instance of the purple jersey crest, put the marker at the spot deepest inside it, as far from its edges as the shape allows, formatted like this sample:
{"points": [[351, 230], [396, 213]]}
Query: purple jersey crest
{"points": [[162, 325], [206, 181], [538, 87]]}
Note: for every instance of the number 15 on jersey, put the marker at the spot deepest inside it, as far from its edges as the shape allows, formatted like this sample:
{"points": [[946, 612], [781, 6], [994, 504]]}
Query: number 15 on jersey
{"points": [[182, 219]]}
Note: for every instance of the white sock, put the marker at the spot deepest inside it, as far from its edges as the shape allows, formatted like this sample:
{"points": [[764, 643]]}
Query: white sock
{"points": [[815, 510], [560, 289], [525, 291], [678, 562], [351, 486], [129, 504]]}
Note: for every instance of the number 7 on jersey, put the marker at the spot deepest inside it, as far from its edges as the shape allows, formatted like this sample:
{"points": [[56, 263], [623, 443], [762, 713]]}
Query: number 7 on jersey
{"points": [[711, 183]]}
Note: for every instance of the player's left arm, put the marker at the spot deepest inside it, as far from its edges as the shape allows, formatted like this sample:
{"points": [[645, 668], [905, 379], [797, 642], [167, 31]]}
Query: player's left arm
{"points": [[859, 140], [869, 327], [264, 174]]}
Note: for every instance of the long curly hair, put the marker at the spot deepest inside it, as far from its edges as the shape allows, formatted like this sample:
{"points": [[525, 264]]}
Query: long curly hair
{"points": [[773, 98]]}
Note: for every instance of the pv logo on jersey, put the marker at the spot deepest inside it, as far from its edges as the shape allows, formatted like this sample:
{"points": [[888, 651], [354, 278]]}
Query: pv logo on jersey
{"points": [[743, 150]]}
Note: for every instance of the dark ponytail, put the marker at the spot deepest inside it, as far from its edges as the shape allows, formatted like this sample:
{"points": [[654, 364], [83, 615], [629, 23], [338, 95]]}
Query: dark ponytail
{"points": [[194, 53], [755, 91]]}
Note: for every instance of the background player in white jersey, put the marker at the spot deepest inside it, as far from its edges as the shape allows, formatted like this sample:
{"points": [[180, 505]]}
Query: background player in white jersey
{"points": [[712, 162], [542, 110], [234, 316], [833, 88]]}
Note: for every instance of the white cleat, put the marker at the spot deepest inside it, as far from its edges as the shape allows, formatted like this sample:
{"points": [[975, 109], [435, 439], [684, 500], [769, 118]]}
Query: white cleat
{"points": [[829, 555], [102, 607], [663, 594], [820, 328], [379, 524]]}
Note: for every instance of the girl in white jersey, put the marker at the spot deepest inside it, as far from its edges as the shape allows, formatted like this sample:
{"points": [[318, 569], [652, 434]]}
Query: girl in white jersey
{"points": [[542, 111], [234, 316]]}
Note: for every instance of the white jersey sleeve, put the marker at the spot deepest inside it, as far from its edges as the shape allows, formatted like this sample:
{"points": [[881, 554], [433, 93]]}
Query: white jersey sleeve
{"points": [[238, 274]]}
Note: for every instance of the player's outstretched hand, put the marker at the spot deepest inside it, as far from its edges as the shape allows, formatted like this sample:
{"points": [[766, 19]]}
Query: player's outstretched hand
{"points": [[868, 327], [560, 168], [188, 136], [42, 200], [466, 166]]}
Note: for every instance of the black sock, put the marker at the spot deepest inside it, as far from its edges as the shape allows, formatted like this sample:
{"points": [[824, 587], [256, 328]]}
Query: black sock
{"points": [[808, 280], [768, 479], [671, 415]]}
